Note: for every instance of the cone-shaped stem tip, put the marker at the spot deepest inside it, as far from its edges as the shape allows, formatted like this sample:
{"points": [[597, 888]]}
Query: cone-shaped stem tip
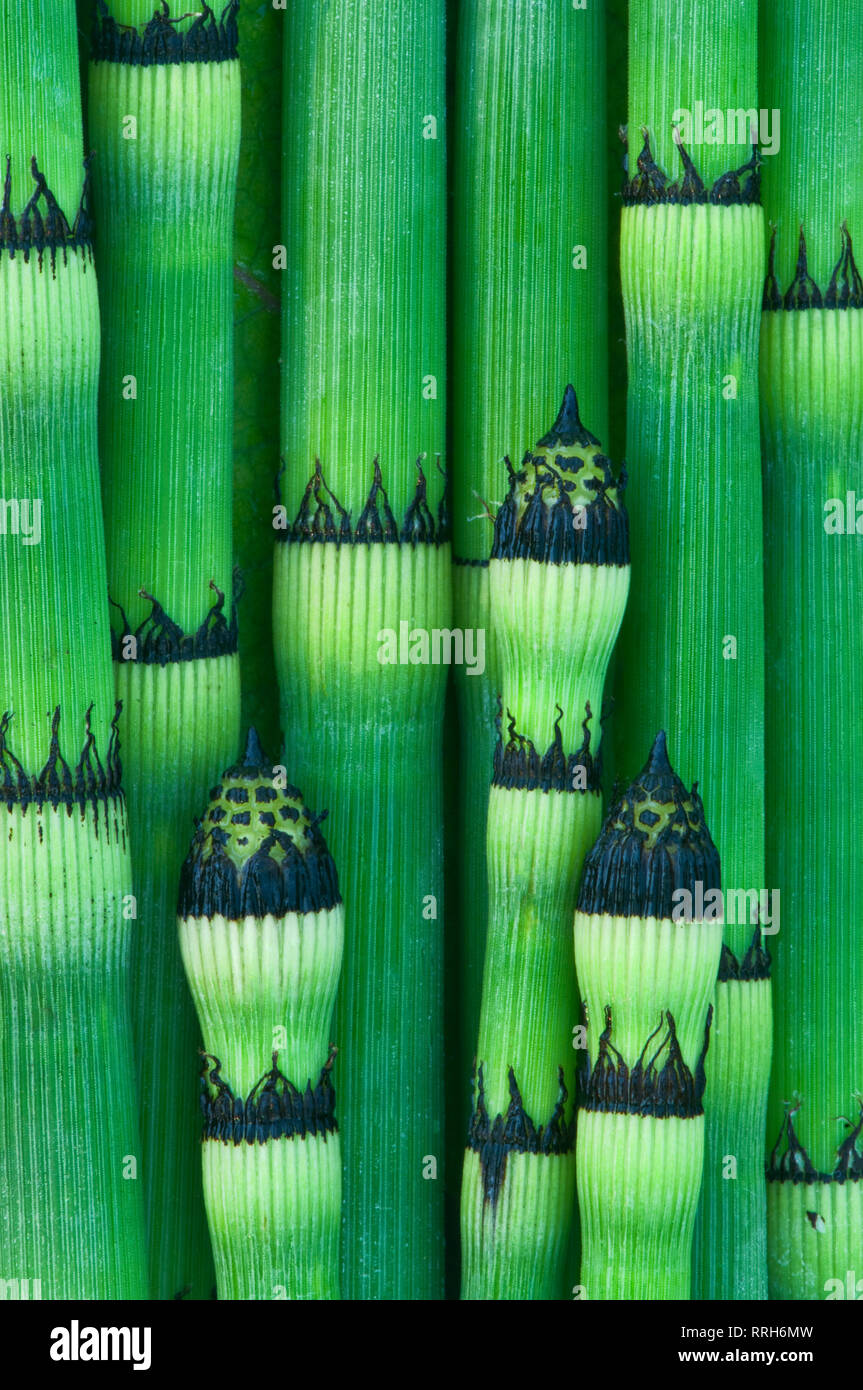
{"points": [[657, 764], [254, 754], [654, 842], [567, 427]]}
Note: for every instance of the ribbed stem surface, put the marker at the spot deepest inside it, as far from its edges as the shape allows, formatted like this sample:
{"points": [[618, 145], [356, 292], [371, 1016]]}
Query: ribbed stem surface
{"points": [[42, 99], [511, 1245], [364, 378], [165, 202], [529, 186], [555, 626], [811, 69], [741, 1034], [692, 646], [70, 1161], [536, 844], [70, 1205], [287, 1193], [686, 57], [637, 1246], [528, 289], [812, 427], [813, 1232], [181, 716], [642, 969], [363, 741], [168, 138], [265, 986], [363, 215]]}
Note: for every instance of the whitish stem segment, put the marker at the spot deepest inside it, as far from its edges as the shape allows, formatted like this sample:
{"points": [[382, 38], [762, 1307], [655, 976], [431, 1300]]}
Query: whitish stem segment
{"points": [[559, 575], [692, 645], [71, 1220], [812, 433], [261, 931], [648, 936], [164, 115]]}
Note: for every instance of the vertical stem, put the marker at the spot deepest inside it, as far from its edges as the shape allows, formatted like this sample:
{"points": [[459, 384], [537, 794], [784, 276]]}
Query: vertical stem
{"points": [[165, 117], [812, 427], [691, 266], [528, 315], [71, 1224], [365, 564]]}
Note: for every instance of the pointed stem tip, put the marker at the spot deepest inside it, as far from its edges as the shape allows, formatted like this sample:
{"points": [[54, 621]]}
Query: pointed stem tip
{"points": [[658, 763], [568, 422], [254, 755], [567, 429]]}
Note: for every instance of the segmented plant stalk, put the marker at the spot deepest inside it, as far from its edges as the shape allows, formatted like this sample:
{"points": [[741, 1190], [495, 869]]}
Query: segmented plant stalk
{"points": [[164, 117], [648, 937], [261, 931], [362, 585], [71, 1223], [692, 647], [812, 422], [528, 311], [257, 331], [559, 575]]}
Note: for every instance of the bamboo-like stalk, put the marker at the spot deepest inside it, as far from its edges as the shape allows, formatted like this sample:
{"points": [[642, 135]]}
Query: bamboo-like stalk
{"points": [[692, 645], [362, 585], [812, 422], [257, 331], [164, 118], [648, 937], [529, 251], [71, 1221], [261, 929], [559, 576]]}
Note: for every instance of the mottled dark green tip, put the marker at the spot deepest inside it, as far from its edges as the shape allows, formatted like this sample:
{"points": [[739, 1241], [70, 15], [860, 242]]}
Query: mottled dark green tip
{"points": [[258, 850], [567, 429], [564, 505], [655, 842]]}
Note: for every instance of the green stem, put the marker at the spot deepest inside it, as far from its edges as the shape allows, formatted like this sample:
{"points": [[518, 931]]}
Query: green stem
{"points": [[557, 596], [261, 928], [812, 425], [691, 272], [364, 384], [166, 124], [528, 313]]}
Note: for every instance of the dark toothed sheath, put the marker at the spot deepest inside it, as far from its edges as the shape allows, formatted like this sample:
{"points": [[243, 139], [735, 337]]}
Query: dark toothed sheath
{"points": [[559, 576], [648, 938], [261, 928]]}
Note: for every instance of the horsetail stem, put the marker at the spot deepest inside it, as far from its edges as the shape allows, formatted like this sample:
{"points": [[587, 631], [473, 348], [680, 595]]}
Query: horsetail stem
{"points": [[261, 931], [812, 426], [72, 1225], [362, 585], [164, 116], [691, 654], [529, 282], [559, 575], [648, 936]]}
